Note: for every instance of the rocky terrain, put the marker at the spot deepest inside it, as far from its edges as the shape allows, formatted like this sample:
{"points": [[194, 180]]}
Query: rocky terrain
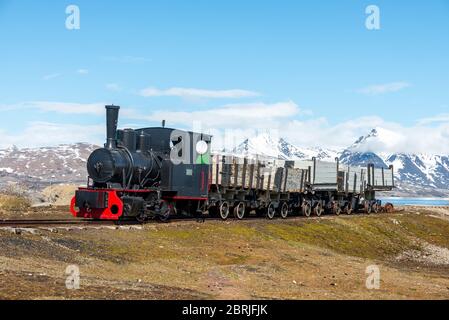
{"points": [[61, 164], [316, 258], [37, 169]]}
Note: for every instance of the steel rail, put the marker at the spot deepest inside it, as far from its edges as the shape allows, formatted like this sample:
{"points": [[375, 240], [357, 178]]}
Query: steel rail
{"points": [[178, 218]]}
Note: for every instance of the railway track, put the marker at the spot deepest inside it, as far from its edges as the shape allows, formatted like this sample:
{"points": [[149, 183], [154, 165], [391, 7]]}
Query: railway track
{"points": [[33, 223], [29, 223]]}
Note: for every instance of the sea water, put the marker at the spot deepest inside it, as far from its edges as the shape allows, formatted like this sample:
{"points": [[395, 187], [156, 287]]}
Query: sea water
{"points": [[435, 202]]}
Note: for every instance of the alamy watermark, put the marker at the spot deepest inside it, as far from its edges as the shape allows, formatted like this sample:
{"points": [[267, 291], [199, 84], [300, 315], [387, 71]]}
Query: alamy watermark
{"points": [[372, 21], [72, 282], [373, 280], [193, 147], [73, 20]]}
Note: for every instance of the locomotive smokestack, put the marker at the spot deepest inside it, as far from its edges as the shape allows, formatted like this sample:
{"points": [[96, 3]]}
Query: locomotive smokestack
{"points": [[111, 126]]}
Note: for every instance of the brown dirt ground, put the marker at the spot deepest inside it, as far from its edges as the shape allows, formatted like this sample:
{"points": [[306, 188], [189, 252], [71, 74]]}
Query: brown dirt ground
{"points": [[254, 259]]}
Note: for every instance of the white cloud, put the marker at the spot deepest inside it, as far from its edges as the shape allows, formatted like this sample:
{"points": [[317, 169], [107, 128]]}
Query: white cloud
{"points": [[38, 134], [197, 93], [113, 87], [444, 117], [285, 119], [384, 88], [96, 109], [393, 137], [59, 107], [67, 108], [282, 118], [319, 132], [316, 132], [51, 76], [231, 115], [82, 71], [413, 139]]}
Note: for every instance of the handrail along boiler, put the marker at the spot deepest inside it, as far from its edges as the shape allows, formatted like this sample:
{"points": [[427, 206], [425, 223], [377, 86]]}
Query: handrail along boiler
{"points": [[158, 172]]}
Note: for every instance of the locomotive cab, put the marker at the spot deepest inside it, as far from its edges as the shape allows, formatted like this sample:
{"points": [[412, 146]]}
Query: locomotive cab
{"points": [[186, 174]]}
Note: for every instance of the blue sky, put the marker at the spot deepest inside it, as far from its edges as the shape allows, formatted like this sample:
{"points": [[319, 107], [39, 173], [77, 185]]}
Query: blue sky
{"points": [[300, 65]]}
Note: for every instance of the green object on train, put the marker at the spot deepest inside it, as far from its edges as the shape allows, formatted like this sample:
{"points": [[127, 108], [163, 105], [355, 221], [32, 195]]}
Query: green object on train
{"points": [[203, 159]]}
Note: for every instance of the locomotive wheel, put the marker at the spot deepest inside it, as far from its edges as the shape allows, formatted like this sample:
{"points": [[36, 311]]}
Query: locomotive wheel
{"points": [[239, 211], [165, 211], [336, 209], [270, 211], [284, 210], [224, 210], [318, 210], [306, 210]]}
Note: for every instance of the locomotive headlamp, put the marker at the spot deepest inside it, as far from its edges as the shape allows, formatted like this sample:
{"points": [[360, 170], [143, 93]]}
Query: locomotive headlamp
{"points": [[201, 147]]}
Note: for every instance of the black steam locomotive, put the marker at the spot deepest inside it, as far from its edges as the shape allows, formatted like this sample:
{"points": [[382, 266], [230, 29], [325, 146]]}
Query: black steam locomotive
{"points": [[143, 173], [157, 172]]}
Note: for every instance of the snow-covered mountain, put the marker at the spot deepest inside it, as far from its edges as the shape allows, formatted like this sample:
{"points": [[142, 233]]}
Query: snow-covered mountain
{"points": [[37, 167], [416, 174], [359, 153], [266, 145]]}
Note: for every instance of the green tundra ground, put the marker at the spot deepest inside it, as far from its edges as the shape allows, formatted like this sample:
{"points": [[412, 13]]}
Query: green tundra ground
{"points": [[254, 259]]}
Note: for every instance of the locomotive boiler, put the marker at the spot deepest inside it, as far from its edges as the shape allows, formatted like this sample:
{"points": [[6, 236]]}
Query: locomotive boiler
{"points": [[126, 159]]}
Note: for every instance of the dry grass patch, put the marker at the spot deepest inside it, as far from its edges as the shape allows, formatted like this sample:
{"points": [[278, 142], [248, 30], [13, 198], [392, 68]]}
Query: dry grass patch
{"points": [[286, 259], [14, 203], [59, 195]]}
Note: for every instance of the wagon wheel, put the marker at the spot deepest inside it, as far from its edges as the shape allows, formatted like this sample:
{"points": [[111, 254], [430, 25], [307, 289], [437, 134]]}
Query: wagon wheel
{"points": [[270, 211], [284, 210], [224, 210], [336, 209], [389, 208], [348, 209], [368, 208], [318, 209], [306, 209], [239, 211]]}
